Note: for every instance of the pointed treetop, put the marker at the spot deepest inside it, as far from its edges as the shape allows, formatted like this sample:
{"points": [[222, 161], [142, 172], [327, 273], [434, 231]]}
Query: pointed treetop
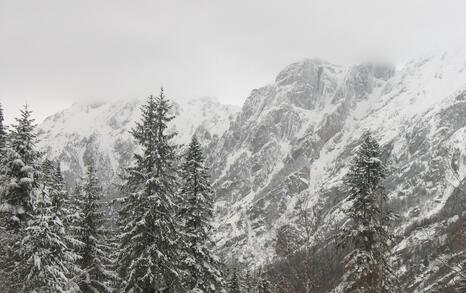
{"points": [[24, 136], [2, 130], [195, 149], [1, 114], [162, 95], [195, 141]]}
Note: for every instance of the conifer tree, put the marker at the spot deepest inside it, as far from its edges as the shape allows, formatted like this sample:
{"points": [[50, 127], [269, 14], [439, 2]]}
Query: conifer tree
{"points": [[3, 133], [36, 255], [202, 267], [51, 176], [18, 188], [366, 266], [39, 258], [95, 248], [19, 169], [48, 262], [149, 253]]}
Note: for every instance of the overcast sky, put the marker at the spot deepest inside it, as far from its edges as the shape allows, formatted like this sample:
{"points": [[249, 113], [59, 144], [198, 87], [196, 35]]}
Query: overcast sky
{"points": [[53, 53]]}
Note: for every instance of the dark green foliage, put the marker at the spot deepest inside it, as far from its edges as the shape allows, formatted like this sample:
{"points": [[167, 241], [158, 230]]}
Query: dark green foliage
{"points": [[94, 248], [3, 133], [19, 168], [202, 267], [149, 238], [37, 255], [366, 266], [48, 263]]}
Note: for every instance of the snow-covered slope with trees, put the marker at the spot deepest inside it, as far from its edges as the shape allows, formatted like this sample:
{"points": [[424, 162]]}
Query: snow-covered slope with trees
{"points": [[101, 132], [285, 153]]}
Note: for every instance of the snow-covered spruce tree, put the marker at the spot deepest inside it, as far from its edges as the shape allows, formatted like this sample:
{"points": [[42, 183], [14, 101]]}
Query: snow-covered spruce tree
{"points": [[202, 267], [51, 177], [95, 249], [366, 265], [18, 186], [48, 261], [3, 133], [19, 168], [3, 138], [149, 252]]}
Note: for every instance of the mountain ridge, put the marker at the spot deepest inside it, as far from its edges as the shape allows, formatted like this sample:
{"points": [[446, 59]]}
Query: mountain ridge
{"points": [[101, 132], [262, 173], [288, 148]]}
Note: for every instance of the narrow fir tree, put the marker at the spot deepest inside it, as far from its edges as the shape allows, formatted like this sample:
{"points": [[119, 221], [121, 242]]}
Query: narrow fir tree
{"points": [[149, 242], [95, 246], [202, 267], [3, 215], [19, 169], [18, 188], [3, 133], [51, 176], [366, 266], [48, 262]]}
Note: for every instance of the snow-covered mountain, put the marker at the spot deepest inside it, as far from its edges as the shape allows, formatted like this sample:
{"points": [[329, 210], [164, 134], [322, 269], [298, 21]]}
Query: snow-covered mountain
{"points": [[101, 132], [289, 146]]}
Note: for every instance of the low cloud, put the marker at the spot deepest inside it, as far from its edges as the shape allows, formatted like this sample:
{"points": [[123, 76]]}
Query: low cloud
{"points": [[56, 52]]}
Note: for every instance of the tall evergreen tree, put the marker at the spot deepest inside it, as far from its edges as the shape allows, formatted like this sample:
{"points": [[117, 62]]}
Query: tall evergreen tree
{"points": [[202, 267], [51, 176], [19, 169], [18, 188], [48, 262], [95, 246], [149, 242], [35, 254], [366, 266], [3, 133]]}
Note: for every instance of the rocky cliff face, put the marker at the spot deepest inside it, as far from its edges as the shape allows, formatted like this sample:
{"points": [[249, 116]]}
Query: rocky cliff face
{"points": [[289, 147], [285, 133]]}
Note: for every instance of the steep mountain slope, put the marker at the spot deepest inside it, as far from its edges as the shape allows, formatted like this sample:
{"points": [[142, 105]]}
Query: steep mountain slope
{"points": [[290, 146], [288, 149], [100, 132]]}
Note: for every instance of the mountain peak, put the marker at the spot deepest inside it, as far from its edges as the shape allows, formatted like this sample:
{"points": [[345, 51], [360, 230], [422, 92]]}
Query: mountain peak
{"points": [[303, 70]]}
